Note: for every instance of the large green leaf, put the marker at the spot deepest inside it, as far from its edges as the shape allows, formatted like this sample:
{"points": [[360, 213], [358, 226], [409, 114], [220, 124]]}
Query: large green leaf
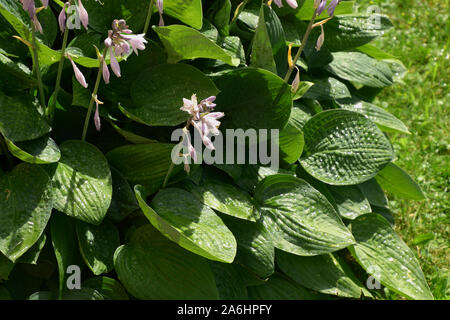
{"points": [[183, 43], [253, 98], [189, 223], [145, 164], [15, 76], [32, 255], [373, 192], [82, 182], [299, 218], [158, 93], [344, 147], [20, 120], [123, 201], [327, 89], [109, 288], [255, 249], [152, 267], [262, 51], [395, 180], [65, 246], [97, 245], [387, 258], [362, 69], [323, 273], [279, 287], [25, 208], [42, 150], [291, 140], [383, 119], [228, 281], [350, 201], [188, 11], [225, 198]]}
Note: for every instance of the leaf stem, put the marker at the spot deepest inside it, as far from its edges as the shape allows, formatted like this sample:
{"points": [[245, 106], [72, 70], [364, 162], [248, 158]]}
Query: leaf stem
{"points": [[51, 108], [37, 68], [94, 95], [149, 15], [302, 46], [238, 11]]}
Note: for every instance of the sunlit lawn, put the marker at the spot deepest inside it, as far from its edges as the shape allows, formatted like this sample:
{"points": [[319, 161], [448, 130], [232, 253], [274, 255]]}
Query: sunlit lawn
{"points": [[422, 101]]}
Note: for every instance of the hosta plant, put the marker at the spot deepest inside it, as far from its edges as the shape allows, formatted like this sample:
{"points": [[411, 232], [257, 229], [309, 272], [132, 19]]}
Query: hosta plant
{"points": [[104, 193]]}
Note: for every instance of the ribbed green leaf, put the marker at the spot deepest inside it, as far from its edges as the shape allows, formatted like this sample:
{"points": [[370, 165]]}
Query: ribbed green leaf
{"points": [[32, 255], [82, 182], [145, 164], [344, 147], [189, 223], [373, 192], [387, 258], [109, 288], [291, 139], [360, 68], [25, 208], [383, 119], [299, 218], [350, 201], [327, 89], [20, 120], [228, 281], [225, 198], [395, 180], [158, 93], [255, 249], [97, 245], [152, 267], [42, 150], [279, 287], [123, 201], [184, 43], [65, 245], [15, 76], [253, 98], [262, 54], [322, 273]]}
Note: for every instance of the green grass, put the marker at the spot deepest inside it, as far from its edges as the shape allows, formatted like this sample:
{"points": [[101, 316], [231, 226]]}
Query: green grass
{"points": [[422, 100]]}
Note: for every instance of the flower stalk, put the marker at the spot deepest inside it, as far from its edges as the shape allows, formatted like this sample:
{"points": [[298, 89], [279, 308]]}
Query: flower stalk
{"points": [[94, 94], [51, 108], [149, 16], [37, 68]]}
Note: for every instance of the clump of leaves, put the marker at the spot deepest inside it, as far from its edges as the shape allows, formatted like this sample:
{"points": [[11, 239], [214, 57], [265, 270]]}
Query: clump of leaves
{"points": [[114, 206]]}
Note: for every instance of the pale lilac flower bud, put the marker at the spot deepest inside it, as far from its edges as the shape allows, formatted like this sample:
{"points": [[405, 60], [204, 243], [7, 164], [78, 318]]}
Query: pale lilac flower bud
{"points": [[292, 3], [45, 3], [161, 11], [296, 82], [321, 6], [114, 64], [37, 24], [62, 17], [78, 75], [108, 41], [84, 17], [97, 121], [28, 5], [332, 7], [208, 102], [105, 71], [321, 39]]}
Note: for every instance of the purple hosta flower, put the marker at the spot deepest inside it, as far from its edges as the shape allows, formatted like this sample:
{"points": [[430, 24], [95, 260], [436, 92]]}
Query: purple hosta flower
{"points": [[321, 39], [84, 17], [120, 41], [45, 3], [105, 71], [78, 75], [161, 11], [202, 118], [332, 7], [62, 17], [320, 6], [292, 3], [97, 121], [29, 6]]}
